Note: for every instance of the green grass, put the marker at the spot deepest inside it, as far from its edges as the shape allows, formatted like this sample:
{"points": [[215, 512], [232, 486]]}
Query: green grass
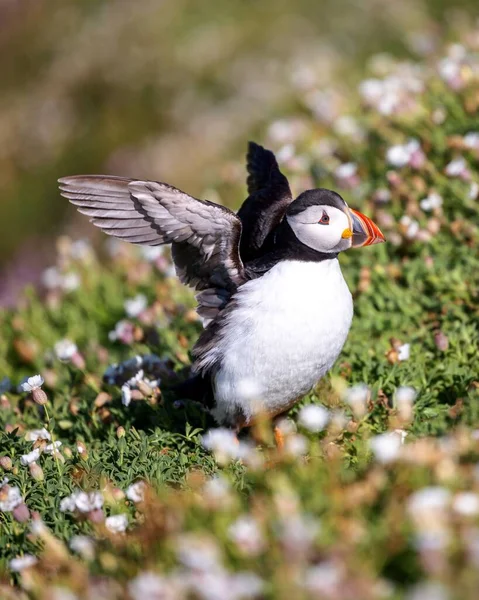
{"points": [[329, 521]]}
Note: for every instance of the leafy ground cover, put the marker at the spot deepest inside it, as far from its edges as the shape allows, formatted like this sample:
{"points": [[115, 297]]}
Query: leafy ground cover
{"points": [[114, 488]]}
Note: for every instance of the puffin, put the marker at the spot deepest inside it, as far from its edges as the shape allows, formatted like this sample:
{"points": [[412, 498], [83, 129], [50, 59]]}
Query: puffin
{"points": [[274, 303]]}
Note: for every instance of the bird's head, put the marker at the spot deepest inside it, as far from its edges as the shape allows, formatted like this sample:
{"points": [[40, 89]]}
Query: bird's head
{"points": [[323, 221]]}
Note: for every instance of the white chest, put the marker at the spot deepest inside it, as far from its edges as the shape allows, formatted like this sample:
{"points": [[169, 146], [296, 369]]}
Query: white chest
{"points": [[285, 333]]}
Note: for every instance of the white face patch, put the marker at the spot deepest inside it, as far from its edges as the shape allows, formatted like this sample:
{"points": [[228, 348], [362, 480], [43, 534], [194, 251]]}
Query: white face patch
{"points": [[321, 236]]}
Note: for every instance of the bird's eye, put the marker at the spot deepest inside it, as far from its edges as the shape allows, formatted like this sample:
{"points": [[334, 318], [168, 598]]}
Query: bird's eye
{"points": [[324, 220]]}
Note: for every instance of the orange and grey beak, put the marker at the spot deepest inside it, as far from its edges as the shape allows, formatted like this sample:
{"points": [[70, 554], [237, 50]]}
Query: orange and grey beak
{"points": [[364, 231]]}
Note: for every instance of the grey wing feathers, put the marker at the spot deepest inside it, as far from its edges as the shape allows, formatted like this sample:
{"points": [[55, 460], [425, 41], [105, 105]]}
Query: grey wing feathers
{"points": [[204, 236]]}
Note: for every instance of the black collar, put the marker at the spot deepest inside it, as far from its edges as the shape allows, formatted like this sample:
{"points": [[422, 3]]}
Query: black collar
{"points": [[284, 245]]}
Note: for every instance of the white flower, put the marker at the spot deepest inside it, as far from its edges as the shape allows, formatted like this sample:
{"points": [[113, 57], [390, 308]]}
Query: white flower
{"points": [[404, 352], [62, 593], [31, 457], [125, 394], [71, 281], [32, 383], [151, 253], [217, 490], [150, 586], [466, 504], [432, 201], [285, 153], [80, 249], [65, 350], [405, 395], [357, 397], [428, 591], [313, 417], [474, 190], [198, 553], [83, 545], [52, 448], [246, 534], [324, 580], [52, 278], [346, 170], [22, 562], [225, 445], [37, 434], [457, 168], [10, 496], [401, 155], [117, 523], [296, 445], [136, 491], [298, 533], [471, 140], [348, 127], [428, 499], [135, 306], [82, 501], [386, 447]]}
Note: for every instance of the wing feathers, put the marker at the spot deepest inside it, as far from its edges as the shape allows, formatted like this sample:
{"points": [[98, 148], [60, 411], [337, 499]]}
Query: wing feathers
{"points": [[205, 236]]}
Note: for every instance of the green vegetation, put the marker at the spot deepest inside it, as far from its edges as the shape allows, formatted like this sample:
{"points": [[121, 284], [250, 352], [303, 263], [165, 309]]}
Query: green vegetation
{"points": [[345, 510]]}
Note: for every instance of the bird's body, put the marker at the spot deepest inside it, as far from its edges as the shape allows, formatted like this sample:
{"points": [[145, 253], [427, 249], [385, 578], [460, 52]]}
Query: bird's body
{"points": [[274, 302], [285, 332]]}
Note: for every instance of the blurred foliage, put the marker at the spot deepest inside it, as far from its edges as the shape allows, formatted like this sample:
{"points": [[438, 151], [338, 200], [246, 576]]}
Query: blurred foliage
{"points": [[164, 89]]}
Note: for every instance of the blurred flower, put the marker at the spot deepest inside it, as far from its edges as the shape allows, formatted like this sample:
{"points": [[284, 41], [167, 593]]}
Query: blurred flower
{"points": [[52, 448], [6, 463], [296, 445], [21, 513], [428, 591], [431, 202], [135, 306], [298, 533], [22, 562], [386, 446], [37, 434], [10, 496], [152, 253], [247, 535], [441, 341], [32, 456], [404, 398], [466, 504], [346, 175], [357, 397], [32, 383], [458, 168], [217, 492], [125, 394], [349, 127], [151, 586], [404, 352], [225, 445], [324, 580], [198, 552], [474, 190], [427, 501], [82, 501], [124, 332], [136, 491], [471, 140], [313, 417], [83, 545], [34, 386], [117, 523], [410, 154], [66, 351], [409, 226]]}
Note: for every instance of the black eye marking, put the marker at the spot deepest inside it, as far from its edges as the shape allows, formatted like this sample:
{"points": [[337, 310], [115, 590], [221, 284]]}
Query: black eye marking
{"points": [[324, 220]]}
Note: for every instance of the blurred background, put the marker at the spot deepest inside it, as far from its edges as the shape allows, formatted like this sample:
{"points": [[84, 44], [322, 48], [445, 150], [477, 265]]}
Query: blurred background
{"points": [[168, 90]]}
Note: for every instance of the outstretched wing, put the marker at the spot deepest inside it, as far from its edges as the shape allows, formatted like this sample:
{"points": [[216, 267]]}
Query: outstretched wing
{"points": [[268, 200], [205, 236]]}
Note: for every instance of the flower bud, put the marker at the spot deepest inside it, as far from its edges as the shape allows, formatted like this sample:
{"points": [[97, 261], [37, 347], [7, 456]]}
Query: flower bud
{"points": [[39, 396], [120, 432], [36, 471], [21, 513], [6, 462]]}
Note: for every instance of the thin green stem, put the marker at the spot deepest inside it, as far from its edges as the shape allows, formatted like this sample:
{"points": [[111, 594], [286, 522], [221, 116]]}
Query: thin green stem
{"points": [[50, 429]]}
